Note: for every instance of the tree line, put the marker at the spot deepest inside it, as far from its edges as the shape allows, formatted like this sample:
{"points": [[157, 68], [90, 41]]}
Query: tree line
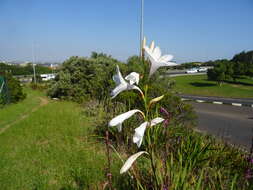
{"points": [[227, 70], [244, 57], [24, 70]]}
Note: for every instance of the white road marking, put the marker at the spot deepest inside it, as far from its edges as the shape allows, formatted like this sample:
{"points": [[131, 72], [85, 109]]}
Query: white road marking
{"points": [[236, 104], [217, 102]]}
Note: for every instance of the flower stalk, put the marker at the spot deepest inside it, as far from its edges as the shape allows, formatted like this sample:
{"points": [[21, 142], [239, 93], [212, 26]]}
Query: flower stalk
{"points": [[108, 172], [130, 83]]}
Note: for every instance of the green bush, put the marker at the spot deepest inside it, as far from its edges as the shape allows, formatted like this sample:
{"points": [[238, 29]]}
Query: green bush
{"points": [[83, 78], [15, 91]]}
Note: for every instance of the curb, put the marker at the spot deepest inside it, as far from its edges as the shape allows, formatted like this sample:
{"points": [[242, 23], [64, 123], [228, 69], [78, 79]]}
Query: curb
{"points": [[218, 103]]}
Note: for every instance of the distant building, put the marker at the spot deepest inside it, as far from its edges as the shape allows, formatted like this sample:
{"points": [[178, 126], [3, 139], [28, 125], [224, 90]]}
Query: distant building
{"points": [[24, 64]]}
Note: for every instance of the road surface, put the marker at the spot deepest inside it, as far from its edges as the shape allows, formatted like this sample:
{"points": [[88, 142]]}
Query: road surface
{"points": [[234, 124], [211, 99], [183, 73]]}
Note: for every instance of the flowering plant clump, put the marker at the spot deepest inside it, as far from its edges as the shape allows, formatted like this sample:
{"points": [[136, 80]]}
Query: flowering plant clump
{"points": [[147, 129], [170, 154]]}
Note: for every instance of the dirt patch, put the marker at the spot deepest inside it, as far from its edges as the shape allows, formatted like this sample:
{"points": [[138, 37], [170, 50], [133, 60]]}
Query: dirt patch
{"points": [[43, 101]]}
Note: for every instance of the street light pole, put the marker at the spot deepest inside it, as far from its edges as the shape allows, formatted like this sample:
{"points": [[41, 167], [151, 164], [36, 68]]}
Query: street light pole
{"points": [[141, 28], [34, 71]]}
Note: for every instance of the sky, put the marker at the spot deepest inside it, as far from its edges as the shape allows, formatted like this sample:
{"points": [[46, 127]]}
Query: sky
{"points": [[191, 30]]}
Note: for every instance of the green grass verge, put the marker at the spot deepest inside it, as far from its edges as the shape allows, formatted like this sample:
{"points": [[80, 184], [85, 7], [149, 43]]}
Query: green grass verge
{"points": [[51, 149], [11, 112], [199, 85], [54, 148]]}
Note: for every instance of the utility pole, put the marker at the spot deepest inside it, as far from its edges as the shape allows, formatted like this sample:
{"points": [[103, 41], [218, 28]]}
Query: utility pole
{"points": [[34, 71], [141, 29]]}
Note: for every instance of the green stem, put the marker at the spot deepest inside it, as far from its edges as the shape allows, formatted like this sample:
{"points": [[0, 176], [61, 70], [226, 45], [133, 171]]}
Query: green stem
{"points": [[145, 101], [151, 153], [154, 169]]}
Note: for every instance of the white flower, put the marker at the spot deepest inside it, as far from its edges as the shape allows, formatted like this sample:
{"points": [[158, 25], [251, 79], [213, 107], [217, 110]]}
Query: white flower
{"points": [[133, 78], [122, 85], [130, 161], [156, 58], [156, 121], [118, 120], [139, 132]]}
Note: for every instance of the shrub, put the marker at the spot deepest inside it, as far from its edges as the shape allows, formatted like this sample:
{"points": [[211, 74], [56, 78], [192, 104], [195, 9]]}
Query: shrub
{"points": [[83, 78], [15, 91]]}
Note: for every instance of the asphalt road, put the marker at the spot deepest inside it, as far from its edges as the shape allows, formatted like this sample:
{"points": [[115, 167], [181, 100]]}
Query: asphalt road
{"points": [[185, 74], [233, 124], [243, 101], [182, 73]]}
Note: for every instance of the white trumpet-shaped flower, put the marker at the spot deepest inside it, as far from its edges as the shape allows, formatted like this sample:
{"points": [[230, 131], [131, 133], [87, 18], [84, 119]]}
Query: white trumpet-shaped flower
{"points": [[130, 161], [156, 121], [139, 132], [133, 78], [122, 85], [156, 58], [118, 120]]}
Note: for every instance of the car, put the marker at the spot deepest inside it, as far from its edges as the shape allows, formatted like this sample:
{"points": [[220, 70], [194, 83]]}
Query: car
{"points": [[47, 77], [202, 69], [193, 70]]}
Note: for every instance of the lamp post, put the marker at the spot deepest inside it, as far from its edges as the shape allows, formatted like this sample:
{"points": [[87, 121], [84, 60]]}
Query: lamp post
{"points": [[34, 71], [141, 29]]}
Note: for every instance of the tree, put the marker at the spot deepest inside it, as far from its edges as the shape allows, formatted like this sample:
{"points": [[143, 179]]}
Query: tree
{"points": [[223, 70], [239, 70], [244, 62], [24, 70]]}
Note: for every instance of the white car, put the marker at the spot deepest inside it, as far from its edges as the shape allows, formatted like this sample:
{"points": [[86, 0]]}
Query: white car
{"points": [[47, 77], [191, 71], [202, 69]]}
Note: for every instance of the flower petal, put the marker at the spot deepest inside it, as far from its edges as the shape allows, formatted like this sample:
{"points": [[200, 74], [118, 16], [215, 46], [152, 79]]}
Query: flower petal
{"points": [[156, 121], [119, 127], [130, 161], [144, 42], [154, 66], [157, 53], [155, 100], [120, 88], [133, 78], [118, 77], [118, 120], [120, 82], [165, 58], [139, 133], [157, 60], [170, 64], [122, 85], [133, 87], [152, 46]]}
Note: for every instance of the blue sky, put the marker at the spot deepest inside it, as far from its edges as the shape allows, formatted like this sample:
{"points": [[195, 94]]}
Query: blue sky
{"points": [[191, 30]]}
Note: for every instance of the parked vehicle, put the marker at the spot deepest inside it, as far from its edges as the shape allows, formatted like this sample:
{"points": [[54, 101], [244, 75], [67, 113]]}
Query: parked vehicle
{"points": [[202, 69], [47, 77], [193, 70]]}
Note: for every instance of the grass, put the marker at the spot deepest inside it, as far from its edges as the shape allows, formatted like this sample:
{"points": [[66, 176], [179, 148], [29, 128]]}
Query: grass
{"points": [[11, 112], [50, 149], [54, 148], [199, 85]]}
